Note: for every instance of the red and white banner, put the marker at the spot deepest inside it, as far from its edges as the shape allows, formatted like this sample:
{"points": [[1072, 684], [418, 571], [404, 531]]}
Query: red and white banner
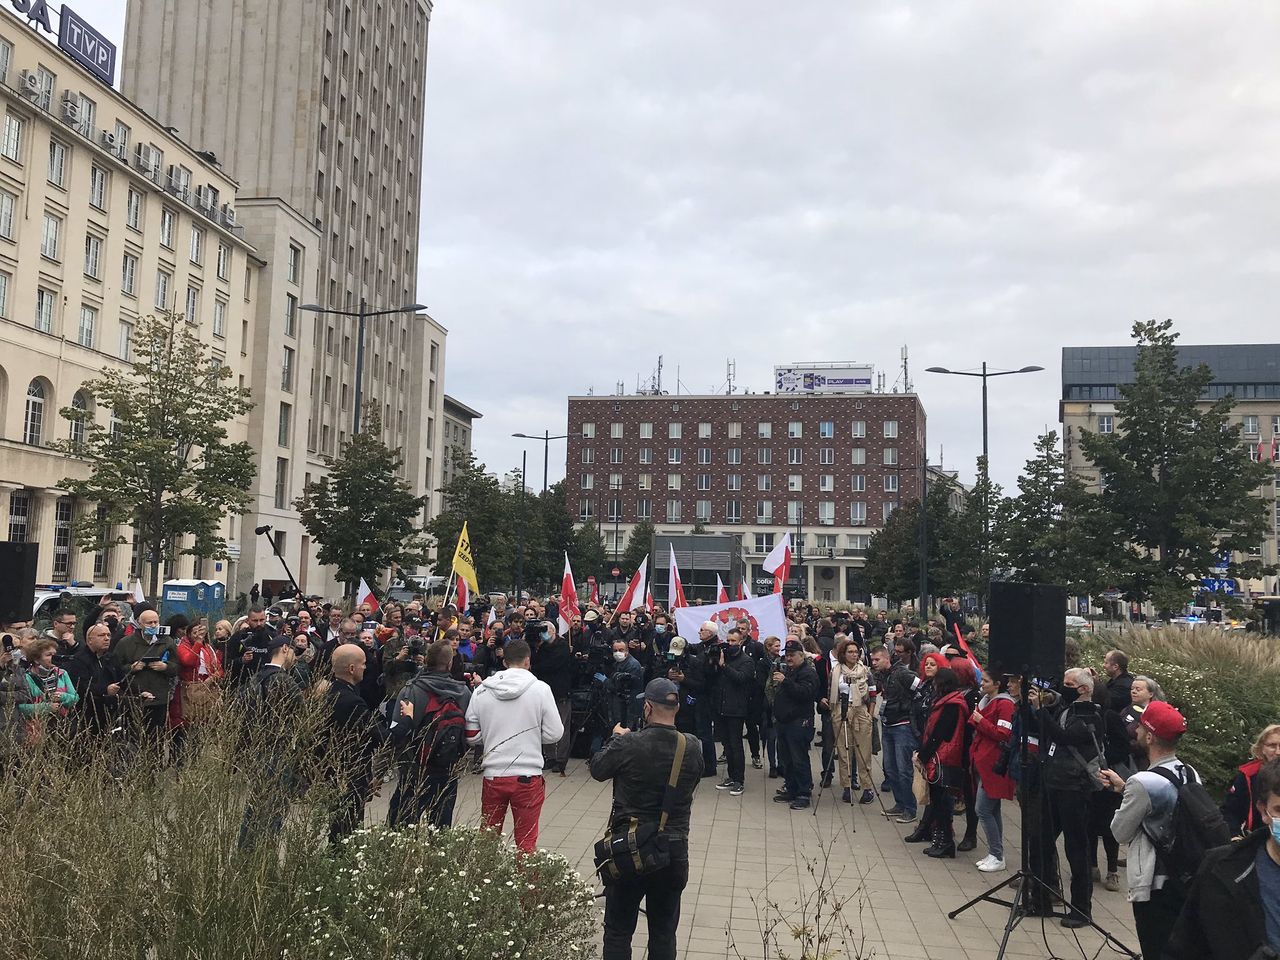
{"points": [[595, 591], [767, 615], [633, 599], [778, 562], [568, 599], [722, 595], [744, 591], [365, 595], [675, 589]]}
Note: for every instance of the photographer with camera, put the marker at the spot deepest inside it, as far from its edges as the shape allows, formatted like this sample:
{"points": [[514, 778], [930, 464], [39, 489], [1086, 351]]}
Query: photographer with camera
{"points": [[247, 648], [655, 772], [795, 690], [626, 680], [552, 663]]}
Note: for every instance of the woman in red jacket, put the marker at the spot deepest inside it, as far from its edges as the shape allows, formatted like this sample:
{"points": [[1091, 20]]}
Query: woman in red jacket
{"points": [[942, 756], [198, 664], [992, 726]]}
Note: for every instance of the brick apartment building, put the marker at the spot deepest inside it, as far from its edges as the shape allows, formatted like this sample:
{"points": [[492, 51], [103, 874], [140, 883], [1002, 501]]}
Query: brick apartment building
{"points": [[829, 467]]}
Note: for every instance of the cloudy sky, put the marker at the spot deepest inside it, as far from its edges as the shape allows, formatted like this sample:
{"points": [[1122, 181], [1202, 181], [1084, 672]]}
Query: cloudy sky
{"points": [[827, 180]]}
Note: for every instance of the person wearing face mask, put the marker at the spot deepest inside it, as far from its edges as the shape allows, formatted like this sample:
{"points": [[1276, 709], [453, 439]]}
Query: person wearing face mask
{"points": [[553, 664], [626, 679], [733, 693], [150, 661], [1232, 909]]}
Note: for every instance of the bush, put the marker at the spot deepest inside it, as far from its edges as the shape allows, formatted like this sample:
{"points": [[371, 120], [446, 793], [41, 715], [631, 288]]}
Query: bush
{"points": [[104, 857], [1226, 683]]}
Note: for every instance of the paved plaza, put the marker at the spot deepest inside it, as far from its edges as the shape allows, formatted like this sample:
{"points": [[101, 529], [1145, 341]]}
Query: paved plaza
{"points": [[742, 846]]}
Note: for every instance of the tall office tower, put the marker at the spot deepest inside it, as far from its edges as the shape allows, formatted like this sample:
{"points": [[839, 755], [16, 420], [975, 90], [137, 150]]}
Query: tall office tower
{"points": [[318, 106]]}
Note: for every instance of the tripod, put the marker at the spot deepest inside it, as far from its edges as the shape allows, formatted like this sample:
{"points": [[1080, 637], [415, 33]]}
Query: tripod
{"points": [[1023, 883]]}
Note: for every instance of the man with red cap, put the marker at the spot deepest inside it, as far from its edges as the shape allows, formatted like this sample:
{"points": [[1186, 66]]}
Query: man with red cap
{"points": [[1146, 811]]}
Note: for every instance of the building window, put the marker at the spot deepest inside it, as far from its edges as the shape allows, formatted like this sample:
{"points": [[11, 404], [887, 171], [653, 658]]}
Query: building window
{"points": [[50, 237], [220, 319], [615, 481], [295, 264], [704, 431], [826, 430], [890, 429], [735, 431], [795, 481], [586, 509], [764, 455], [197, 246], [646, 454], [588, 481], [129, 275], [282, 483], [826, 513], [646, 431], [33, 421], [193, 305], [827, 483], [5, 280], [1106, 424], [827, 455], [795, 430], [45, 301], [733, 511], [735, 481], [224, 262], [615, 431], [1251, 425], [57, 164], [673, 481], [890, 483], [886, 510], [88, 325], [93, 257], [133, 210], [764, 541], [588, 455], [101, 558], [673, 431], [704, 481], [764, 431], [588, 431], [286, 370], [1275, 426], [890, 456], [859, 482], [859, 456], [62, 514], [124, 349], [673, 511], [764, 482], [643, 480], [19, 515], [644, 509], [98, 187], [795, 455], [163, 281], [8, 203], [859, 429], [735, 455], [704, 456], [615, 454], [703, 511], [285, 426], [291, 316], [673, 454], [45, 82], [857, 513], [795, 512], [168, 224], [764, 512], [11, 143]]}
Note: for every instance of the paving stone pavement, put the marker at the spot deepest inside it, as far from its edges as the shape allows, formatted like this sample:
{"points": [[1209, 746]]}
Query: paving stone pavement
{"points": [[741, 847]]}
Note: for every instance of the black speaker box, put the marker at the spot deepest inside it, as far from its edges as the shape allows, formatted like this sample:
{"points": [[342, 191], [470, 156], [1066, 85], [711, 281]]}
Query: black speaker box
{"points": [[17, 580], [1028, 629]]}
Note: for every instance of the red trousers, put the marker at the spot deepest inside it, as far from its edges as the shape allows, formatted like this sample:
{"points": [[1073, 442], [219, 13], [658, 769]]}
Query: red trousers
{"points": [[524, 799]]}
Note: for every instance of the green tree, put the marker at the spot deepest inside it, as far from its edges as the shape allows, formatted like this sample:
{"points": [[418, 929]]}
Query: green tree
{"points": [[893, 555], [698, 527], [477, 497], [639, 545], [158, 457], [1178, 488], [960, 560], [362, 514], [587, 553]]}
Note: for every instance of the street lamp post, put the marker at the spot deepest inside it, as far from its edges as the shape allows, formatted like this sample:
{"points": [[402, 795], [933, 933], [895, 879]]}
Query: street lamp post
{"points": [[985, 374], [524, 463], [362, 315], [546, 439]]}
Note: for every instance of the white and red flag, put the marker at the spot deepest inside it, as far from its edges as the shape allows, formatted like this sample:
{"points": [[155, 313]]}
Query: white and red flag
{"points": [[568, 599], [595, 592], [675, 589], [633, 599], [778, 562], [722, 595], [461, 600], [744, 592], [365, 595]]}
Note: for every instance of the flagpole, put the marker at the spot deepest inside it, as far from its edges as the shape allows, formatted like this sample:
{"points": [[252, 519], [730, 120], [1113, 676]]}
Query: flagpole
{"points": [[448, 593]]}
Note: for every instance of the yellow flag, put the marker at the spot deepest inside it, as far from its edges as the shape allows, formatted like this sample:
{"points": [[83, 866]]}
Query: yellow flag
{"points": [[463, 565]]}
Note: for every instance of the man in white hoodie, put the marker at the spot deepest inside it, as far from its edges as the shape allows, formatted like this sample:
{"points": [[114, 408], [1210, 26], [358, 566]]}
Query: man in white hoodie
{"points": [[513, 714]]}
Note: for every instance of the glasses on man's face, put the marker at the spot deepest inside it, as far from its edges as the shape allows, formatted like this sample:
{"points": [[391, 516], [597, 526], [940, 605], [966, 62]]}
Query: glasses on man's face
{"points": [[66, 623], [349, 633]]}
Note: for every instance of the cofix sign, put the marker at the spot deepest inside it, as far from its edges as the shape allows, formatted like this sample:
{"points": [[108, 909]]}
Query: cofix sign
{"points": [[86, 46]]}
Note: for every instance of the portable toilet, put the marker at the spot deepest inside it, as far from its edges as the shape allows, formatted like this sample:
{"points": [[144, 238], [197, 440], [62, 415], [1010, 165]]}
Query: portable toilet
{"points": [[192, 598]]}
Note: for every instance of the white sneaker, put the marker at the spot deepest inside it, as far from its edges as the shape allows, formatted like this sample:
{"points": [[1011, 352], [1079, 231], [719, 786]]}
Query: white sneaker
{"points": [[992, 865], [980, 863]]}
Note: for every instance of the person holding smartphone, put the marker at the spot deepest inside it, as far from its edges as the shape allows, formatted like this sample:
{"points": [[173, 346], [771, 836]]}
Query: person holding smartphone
{"points": [[149, 658]]}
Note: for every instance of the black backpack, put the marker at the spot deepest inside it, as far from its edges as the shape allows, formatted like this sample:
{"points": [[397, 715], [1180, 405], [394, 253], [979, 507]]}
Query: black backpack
{"points": [[1197, 827], [439, 735]]}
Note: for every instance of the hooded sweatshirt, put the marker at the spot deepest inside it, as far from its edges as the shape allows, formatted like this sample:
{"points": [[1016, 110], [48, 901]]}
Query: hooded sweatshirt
{"points": [[513, 714]]}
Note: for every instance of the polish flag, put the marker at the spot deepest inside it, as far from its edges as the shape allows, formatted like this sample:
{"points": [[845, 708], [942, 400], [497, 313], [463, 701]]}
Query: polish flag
{"points": [[964, 647], [138, 596], [488, 624], [778, 562], [595, 592], [648, 601], [633, 599], [1264, 450], [568, 599], [675, 589], [462, 600], [744, 592], [365, 595], [722, 595]]}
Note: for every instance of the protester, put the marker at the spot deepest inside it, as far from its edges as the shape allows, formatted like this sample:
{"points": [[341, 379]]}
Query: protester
{"points": [[50, 694], [1116, 667], [738, 677], [941, 755], [900, 744], [553, 665], [354, 735], [513, 714], [151, 662], [770, 663], [274, 699], [795, 695], [97, 678], [992, 725], [1239, 809], [850, 696], [199, 670], [624, 684]]}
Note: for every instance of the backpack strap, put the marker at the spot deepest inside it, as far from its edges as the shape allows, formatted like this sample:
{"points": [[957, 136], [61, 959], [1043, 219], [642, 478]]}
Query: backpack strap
{"points": [[669, 794]]}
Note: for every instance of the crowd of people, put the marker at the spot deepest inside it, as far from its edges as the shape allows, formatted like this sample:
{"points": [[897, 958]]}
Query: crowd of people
{"points": [[426, 692]]}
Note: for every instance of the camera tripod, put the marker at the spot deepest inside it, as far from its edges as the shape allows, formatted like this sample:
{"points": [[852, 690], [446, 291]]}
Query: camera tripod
{"points": [[1024, 883]]}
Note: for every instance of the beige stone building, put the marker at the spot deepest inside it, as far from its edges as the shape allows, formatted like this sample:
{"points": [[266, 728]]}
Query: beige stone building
{"points": [[459, 420], [105, 217], [317, 105], [1091, 379]]}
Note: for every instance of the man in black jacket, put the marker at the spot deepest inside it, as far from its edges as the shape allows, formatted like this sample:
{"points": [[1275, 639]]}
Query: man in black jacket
{"points": [[1232, 911], [247, 648], [1116, 666], [1072, 736], [795, 694], [354, 736], [639, 764], [97, 677], [897, 692], [552, 663], [701, 673], [734, 693]]}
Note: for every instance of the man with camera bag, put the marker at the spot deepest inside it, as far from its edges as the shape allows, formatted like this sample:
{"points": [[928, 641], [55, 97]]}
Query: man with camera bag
{"points": [[654, 771]]}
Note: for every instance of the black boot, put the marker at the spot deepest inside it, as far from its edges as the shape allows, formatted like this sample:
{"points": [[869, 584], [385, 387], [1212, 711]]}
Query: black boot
{"points": [[923, 833], [968, 843], [944, 843]]}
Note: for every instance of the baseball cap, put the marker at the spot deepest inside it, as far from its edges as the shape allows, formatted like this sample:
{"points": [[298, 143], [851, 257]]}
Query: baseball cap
{"points": [[1164, 720], [662, 692], [793, 646], [677, 647], [276, 642]]}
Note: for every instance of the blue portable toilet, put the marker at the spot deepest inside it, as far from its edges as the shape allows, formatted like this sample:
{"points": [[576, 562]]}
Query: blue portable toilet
{"points": [[192, 598]]}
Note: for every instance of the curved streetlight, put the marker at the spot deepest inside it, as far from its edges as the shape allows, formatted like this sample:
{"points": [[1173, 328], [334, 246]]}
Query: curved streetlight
{"points": [[363, 314], [546, 438]]}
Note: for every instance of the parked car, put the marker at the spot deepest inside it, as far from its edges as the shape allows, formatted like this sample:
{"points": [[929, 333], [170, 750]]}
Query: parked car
{"points": [[49, 597], [1078, 623]]}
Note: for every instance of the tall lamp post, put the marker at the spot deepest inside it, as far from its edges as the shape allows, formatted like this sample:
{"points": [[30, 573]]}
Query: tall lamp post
{"points": [[362, 315], [984, 558], [546, 439]]}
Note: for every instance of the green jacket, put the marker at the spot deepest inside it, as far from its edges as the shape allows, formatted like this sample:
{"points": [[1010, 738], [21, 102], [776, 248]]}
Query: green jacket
{"points": [[158, 683]]}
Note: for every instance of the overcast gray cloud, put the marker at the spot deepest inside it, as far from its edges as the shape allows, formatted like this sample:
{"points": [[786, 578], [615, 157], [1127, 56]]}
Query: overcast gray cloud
{"points": [[605, 183]]}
